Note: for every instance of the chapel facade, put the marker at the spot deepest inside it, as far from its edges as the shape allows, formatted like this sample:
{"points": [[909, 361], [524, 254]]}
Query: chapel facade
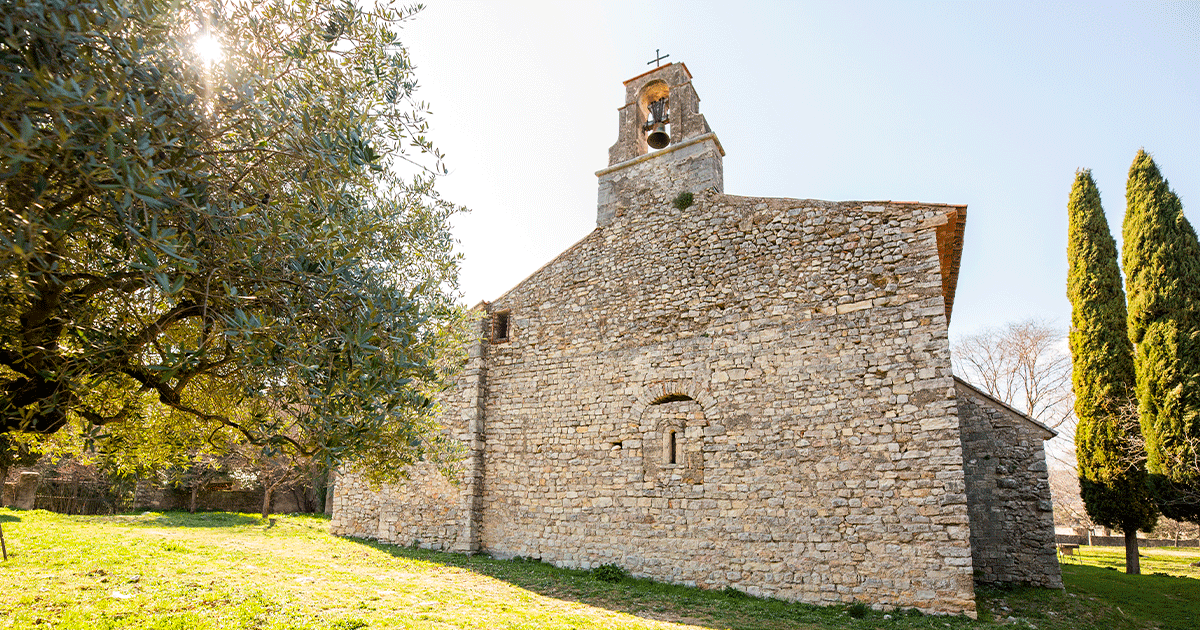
{"points": [[719, 390]]}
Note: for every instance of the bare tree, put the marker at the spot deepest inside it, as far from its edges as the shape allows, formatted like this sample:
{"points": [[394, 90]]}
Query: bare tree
{"points": [[1183, 500], [1176, 530], [1025, 365], [276, 470], [1069, 510]]}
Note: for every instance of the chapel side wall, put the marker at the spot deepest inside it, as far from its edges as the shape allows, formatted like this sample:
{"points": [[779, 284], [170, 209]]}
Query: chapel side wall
{"points": [[1012, 521], [355, 507], [821, 453], [429, 509]]}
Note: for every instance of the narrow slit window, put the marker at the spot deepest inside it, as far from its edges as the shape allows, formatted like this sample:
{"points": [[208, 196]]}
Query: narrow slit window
{"points": [[500, 326], [671, 447]]}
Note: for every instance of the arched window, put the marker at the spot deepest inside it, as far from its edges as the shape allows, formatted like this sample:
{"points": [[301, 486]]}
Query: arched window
{"points": [[673, 425]]}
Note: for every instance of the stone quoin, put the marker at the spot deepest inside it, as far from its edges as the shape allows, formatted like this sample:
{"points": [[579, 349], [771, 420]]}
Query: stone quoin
{"points": [[742, 392]]}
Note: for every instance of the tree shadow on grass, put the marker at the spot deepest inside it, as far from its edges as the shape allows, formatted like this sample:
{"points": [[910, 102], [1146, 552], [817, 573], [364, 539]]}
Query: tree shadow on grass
{"points": [[9, 518], [187, 519], [1170, 602], [646, 598]]}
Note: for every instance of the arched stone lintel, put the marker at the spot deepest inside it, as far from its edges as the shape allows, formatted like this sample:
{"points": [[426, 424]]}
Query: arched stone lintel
{"points": [[655, 391]]}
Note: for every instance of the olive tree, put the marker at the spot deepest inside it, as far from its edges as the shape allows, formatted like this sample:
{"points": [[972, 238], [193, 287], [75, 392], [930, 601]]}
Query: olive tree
{"points": [[219, 226]]}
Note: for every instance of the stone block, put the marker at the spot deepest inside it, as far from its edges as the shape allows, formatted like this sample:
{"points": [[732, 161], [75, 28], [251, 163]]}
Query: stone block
{"points": [[25, 492]]}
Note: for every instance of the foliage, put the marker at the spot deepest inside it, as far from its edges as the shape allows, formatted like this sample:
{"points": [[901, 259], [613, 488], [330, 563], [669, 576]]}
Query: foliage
{"points": [[609, 573], [198, 252], [733, 593], [1161, 259], [14, 453], [683, 201], [1112, 485], [858, 610]]}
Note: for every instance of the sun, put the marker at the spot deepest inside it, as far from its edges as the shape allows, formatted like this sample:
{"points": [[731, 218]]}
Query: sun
{"points": [[208, 49]]}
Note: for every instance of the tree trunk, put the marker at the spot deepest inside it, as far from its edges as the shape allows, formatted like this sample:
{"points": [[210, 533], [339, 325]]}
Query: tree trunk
{"points": [[192, 499], [1133, 564], [266, 511]]}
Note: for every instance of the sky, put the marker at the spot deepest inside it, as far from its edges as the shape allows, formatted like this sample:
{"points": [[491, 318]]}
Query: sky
{"points": [[992, 105]]}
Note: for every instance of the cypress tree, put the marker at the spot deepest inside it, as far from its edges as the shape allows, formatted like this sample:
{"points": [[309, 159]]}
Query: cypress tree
{"points": [[1162, 268], [1113, 488]]}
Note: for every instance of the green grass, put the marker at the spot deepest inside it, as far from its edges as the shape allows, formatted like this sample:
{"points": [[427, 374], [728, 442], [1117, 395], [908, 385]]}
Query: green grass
{"points": [[1175, 561], [218, 570], [1166, 590]]}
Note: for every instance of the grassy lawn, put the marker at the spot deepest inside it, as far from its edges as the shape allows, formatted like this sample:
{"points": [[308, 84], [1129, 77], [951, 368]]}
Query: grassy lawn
{"points": [[223, 570], [1155, 560]]}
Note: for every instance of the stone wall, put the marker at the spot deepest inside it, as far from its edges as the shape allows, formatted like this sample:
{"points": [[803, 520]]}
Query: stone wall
{"points": [[802, 346], [1008, 490], [1119, 541], [801, 356], [798, 350], [21, 493], [428, 509], [283, 501], [423, 511]]}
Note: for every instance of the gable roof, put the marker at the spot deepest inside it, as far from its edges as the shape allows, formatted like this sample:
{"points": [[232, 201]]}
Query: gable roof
{"points": [[950, 244], [1005, 407]]}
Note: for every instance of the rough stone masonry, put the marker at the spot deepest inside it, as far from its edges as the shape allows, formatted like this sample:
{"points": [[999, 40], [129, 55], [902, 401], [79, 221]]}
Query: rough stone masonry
{"points": [[748, 392]]}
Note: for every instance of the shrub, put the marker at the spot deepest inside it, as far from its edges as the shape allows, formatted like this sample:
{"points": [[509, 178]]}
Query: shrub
{"points": [[609, 573], [684, 201], [733, 593], [858, 610]]}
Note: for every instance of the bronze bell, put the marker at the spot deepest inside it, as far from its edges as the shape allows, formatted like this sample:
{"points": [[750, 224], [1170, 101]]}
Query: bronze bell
{"points": [[658, 137]]}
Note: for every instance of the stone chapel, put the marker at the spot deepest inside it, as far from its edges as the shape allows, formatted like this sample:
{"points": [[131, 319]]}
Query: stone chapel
{"points": [[728, 391]]}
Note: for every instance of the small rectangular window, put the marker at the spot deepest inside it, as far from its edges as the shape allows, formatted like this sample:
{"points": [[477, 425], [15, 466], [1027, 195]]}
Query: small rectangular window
{"points": [[500, 326]]}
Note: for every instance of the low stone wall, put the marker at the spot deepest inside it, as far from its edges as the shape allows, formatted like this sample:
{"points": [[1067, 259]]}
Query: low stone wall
{"points": [[31, 490], [1119, 541], [283, 501], [1008, 490], [424, 511], [249, 501]]}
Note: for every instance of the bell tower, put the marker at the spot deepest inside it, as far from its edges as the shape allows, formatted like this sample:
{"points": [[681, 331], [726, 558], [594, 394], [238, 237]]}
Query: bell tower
{"points": [[664, 146]]}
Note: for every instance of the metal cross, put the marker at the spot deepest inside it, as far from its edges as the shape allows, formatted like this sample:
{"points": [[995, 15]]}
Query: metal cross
{"points": [[657, 61]]}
